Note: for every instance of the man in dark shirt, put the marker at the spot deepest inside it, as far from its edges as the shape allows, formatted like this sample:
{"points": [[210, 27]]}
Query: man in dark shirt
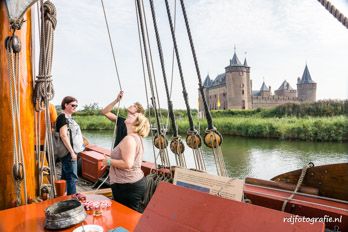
{"points": [[121, 130]]}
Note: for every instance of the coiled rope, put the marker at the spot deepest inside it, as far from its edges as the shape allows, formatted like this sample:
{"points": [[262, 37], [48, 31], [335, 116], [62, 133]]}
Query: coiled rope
{"points": [[152, 181], [44, 92], [335, 12], [43, 83]]}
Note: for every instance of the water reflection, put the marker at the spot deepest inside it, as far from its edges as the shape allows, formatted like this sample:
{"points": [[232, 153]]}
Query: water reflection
{"points": [[260, 158]]}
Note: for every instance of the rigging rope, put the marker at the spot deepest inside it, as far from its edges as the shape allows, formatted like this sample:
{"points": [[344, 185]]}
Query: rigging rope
{"points": [[43, 84], [13, 48], [44, 92], [151, 60], [172, 67], [335, 12], [159, 139], [180, 69], [152, 180], [117, 74], [193, 140], [299, 183], [145, 83], [111, 45], [212, 138], [176, 145]]}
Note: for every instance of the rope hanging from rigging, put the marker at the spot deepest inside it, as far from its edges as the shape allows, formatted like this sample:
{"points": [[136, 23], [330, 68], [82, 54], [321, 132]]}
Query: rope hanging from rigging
{"points": [[193, 139], [298, 185], [335, 12], [212, 137], [44, 92], [116, 71], [145, 83], [159, 140], [13, 48], [176, 145], [43, 83]]}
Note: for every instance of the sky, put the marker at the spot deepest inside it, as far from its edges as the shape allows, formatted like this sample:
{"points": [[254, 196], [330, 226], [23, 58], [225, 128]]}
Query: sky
{"points": [[278, 38]]}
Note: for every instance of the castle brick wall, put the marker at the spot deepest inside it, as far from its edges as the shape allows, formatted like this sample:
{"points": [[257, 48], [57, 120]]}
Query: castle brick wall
{"points": [[307, 92], [238, 88], [215, 94], [272, 101], [286, 93]]}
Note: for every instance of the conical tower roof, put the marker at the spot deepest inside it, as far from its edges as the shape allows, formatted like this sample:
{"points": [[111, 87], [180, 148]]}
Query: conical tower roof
{"points": [[235, 61], [264, 87], [245, 62], [306, 77], [285, 86], [207, 81]]}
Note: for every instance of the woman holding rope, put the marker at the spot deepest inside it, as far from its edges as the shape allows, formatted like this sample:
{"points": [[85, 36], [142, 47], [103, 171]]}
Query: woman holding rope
{"points": [[126, 177]]}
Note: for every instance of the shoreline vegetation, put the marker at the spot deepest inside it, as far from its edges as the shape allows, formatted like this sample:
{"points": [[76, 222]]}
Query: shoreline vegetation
{"points": [[319, 121]]}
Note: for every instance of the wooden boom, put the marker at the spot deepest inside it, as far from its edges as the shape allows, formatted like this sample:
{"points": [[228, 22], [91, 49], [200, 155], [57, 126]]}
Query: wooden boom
{"points": [[7, 189]]}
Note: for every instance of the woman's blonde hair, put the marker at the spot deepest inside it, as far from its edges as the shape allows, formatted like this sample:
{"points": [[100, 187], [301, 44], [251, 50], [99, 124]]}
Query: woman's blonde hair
{"points": [[141, 125]]}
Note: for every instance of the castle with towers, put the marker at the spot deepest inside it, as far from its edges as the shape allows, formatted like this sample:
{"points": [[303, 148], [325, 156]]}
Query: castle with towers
{"points": [[233, 90]]}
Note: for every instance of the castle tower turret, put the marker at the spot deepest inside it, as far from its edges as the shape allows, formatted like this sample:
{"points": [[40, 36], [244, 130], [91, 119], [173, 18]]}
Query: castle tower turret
{"points": [[265, 91], [285, 90], [238, 84], [306, 87], [206, 84]]}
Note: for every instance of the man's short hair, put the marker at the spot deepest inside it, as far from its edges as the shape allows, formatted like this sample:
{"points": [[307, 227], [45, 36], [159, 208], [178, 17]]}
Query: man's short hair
{"points": [[140, 108]]}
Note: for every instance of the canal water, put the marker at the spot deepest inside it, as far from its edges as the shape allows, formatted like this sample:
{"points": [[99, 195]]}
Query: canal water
{"points": [[262, 158]]}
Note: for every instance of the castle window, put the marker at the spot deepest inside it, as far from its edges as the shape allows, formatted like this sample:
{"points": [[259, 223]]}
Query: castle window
{"points": [[242, 91]]}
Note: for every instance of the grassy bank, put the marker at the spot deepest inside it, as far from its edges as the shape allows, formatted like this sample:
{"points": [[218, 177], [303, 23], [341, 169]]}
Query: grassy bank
{"points": [[287, 128]]}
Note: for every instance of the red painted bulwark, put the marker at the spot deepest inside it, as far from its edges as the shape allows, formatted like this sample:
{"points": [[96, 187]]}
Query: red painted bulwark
{"points": [[174, 208], [301, 205]]}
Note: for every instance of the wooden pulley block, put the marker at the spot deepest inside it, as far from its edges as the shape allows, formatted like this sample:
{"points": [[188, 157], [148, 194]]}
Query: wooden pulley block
{"points": [[193, 140], [177, 146], [13, 44], [44, 193], [18, 171], [160, 141], [212, 138]]}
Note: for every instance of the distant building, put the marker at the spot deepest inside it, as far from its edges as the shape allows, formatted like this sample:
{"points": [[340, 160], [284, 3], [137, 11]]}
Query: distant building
{"points": [[233, 89]]}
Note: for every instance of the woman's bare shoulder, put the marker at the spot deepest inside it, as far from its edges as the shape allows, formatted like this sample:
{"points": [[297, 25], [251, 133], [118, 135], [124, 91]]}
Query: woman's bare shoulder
{"points": [[128, 140]]}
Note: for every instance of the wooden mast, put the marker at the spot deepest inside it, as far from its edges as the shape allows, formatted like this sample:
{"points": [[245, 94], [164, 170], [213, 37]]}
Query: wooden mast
{"points": [[7, 189]]}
